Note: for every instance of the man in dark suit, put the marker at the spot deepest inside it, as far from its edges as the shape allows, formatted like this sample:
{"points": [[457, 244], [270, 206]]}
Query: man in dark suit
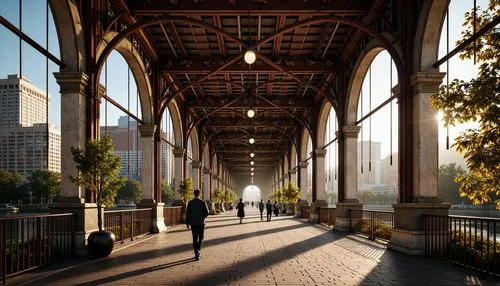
{"points": [[196, 213], [269, 209]]}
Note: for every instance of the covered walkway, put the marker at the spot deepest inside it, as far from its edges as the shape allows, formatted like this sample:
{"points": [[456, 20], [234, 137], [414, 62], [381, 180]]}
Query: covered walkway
{"points": [[285, 251]]}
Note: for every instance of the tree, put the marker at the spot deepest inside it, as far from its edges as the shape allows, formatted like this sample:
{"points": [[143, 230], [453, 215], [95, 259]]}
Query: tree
{"points": [[186, 189], [448, 187], [291, 193], [45, 184], [477, 100], [9, 186], [98, 170], [230, 196], [167, 192], [217, 195], [130, 191]]}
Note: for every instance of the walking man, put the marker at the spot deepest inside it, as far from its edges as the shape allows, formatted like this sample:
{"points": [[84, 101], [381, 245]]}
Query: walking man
{"points": [[269, 209], [261, 209], [196, 213]]}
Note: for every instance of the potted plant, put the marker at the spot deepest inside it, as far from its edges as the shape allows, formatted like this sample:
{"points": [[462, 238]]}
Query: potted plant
{"points": [[291, 194], [218, 197], [186, 192], [98, 171]]}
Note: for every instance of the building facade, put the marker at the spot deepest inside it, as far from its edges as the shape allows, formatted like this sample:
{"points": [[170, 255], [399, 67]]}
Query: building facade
{"points": [[24, 133]]}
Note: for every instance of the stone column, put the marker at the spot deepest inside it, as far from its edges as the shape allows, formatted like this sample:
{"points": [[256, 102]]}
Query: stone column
{"points": [[292, 175], [179, 169], [302, 166], [147, 148], [196, 174], [206, 184], [408, 233], [147, 178], [349, 157], [319, 196], [303, 179], [73, 89]]}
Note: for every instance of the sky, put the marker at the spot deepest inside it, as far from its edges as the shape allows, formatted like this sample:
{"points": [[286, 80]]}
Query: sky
{"points": [[33, 67]]}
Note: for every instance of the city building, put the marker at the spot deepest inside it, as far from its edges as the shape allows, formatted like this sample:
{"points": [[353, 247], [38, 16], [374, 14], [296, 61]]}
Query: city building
{"points": [[24, 133], [126, 139], [370, 161]]}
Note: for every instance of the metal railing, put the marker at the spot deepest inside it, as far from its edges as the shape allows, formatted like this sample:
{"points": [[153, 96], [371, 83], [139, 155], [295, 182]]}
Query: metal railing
{"points": [[172, 215], [28, 242], [327, 215], [305, 211], [468, 241], [127, 224], [375, 224]]}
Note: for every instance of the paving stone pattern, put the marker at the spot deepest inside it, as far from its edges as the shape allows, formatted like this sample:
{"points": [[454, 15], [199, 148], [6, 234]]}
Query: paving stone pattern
{"points": [[285, 251]]}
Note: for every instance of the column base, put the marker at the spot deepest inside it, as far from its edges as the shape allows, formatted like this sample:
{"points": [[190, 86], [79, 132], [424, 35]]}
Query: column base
{"points": [[298, 208], [408, 234], [85, 220], [314, 217], [158, 220], [343, 219]]}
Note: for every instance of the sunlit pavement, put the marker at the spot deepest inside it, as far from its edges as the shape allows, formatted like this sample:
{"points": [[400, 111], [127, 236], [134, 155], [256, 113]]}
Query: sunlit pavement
{"points": [[285, 251]]}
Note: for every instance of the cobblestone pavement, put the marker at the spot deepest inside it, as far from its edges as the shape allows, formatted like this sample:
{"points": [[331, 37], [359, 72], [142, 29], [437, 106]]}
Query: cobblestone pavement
{"points": [[285, 251]]}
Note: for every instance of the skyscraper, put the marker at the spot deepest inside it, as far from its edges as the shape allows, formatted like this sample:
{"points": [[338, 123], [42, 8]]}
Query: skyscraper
{"points": [[24, 132]]}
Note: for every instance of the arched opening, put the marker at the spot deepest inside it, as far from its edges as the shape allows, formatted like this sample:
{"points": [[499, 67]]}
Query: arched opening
{"points": [[331, 157], [377, 115], [251, 193], [168, 144]]}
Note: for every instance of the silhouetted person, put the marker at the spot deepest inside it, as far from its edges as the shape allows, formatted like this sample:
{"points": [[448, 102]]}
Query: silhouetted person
{"points": [[252, 204], [196, 213], [269, 209], [241, 210], [276, 208], [261, 209]]}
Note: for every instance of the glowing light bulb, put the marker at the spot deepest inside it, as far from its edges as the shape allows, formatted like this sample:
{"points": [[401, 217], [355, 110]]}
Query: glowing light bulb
{"points": [[252, 162], [251, 113], [251, 140], [252, 155], [250, 57], [252, 173], [251, 169]]}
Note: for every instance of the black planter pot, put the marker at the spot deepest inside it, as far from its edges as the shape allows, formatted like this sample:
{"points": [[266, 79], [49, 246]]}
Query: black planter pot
{"points": [[101, 243]]}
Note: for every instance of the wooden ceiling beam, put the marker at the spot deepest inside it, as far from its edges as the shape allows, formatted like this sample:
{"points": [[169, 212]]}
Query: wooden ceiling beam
{"points": [[224, 8], [203, 65]]}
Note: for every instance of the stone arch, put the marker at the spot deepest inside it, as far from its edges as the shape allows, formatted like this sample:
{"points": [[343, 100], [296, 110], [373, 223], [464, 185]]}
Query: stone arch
{"points": [[322, 123], [206, 157], [293, 157], [428, 34], [196, 145], [304, 138], [138, 69], [70, 34], [356, 83], [175, 116]]}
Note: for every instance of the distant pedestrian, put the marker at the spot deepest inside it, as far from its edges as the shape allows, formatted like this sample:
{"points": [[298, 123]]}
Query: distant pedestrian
{"points": [[276, 208], [241, 210], [196, 213], [261, 209], [269, 209], [252, 204]]}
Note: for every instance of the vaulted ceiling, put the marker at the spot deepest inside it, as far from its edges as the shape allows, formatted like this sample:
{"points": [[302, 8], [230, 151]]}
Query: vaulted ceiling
{"points": [[293, 70]]}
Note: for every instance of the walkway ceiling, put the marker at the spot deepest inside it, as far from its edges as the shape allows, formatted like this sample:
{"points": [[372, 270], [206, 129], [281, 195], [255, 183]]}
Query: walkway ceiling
{"points": [[293, 72]]}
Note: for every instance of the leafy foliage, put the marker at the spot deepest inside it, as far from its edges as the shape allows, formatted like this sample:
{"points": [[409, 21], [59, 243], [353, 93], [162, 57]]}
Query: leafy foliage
{"points": [[130, 191], [9, 183], [217, 195], [186, 189], [45, 184], [230, 196], [98, 171], [167, 192], [448, 187], [277, 196], [477, 100], [291, 193]]}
